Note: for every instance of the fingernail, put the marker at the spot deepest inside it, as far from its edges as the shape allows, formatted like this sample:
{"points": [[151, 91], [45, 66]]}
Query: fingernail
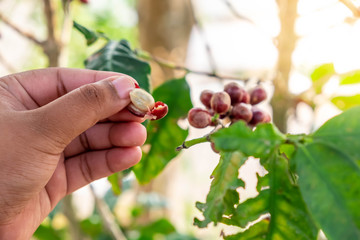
{"points": [[123, 86]]}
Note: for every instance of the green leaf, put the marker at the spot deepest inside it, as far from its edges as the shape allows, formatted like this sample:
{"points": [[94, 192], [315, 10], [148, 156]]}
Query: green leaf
{"points": [[239, 137], [255, 232], [92, 226], [350, 78], [321, 75], [45, 232], [346, 102], [250, 210], [289, 217], [222, 195], [161, 226], [329, 181], [118, 57], [115, 180], [165, 135], [89, 35], [342, 132]]}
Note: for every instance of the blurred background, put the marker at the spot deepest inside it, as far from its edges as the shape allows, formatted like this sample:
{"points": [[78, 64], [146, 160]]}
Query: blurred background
{"points": [[305, 53]]}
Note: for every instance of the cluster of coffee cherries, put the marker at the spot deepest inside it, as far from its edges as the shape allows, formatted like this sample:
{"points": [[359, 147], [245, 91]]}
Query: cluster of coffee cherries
{"points": [[232, 104]]}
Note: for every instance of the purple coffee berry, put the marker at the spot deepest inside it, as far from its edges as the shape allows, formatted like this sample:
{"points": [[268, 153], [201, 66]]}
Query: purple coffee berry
{"points": [[205, 97], [199, 118], [241, 111], [235, 92], [220, 102], [258, 116], [257, 95]]}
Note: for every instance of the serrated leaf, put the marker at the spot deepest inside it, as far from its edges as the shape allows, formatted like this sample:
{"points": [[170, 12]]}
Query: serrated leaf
{"points": [[321, 75], [89, 35], [222, 195], [118, 57], [239, 137], [329, 181], [165, 135], [289, 217], [346, 102], [250, 210], [342, 132], [350, 78]]}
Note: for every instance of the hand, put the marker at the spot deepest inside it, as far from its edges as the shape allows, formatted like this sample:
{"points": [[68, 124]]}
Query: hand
{"points": [[60, 130]]}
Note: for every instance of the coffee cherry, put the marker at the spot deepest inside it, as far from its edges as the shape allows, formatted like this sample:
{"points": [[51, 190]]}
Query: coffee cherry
{"points": [[246, 97], [235, 92], [205, 97], [220, 102], [199, 118], [213, 147], [84, 1], [241, 111], [257, 95], [258, 116], [159, 111]]}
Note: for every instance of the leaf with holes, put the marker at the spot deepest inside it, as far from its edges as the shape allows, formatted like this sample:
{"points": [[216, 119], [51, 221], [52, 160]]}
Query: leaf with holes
{"points": [[222, 195]]}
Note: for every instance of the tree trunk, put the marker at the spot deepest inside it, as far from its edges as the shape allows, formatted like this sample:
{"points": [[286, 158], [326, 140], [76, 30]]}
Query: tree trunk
{"points": [[164, 27], [286, 42]]}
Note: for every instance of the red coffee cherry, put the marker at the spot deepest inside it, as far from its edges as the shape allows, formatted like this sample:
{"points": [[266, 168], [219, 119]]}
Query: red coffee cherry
{"points": [[257, 95], [235, 92], [159, 111], [199, 118], [84, 1], [258, 116], [213, 147], [205, 97], [246, 97], [241, 111], [220, 102]]}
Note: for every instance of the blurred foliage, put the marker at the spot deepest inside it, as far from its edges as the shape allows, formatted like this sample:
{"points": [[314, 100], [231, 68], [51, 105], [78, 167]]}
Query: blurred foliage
{"points": [[321, 76]]}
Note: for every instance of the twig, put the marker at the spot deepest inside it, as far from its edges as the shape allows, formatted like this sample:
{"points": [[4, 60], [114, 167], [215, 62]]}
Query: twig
{"points": [[52, 46], [107, 217], [65, 35], [192, 142], [205, 40], [20, 31], [149, 57], [74, 226], [235, 12], [349, 4]]}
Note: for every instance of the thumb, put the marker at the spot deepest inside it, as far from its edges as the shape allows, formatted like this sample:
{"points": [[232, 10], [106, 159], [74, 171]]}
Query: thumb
{"points": [[68, 116]]}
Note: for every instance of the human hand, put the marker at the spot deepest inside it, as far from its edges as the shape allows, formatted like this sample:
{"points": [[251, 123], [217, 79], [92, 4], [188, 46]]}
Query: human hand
{"points": [[60, 130]]}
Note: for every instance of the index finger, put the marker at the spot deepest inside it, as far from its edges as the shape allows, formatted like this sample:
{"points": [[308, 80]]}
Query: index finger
{"points": [[45, 85]]}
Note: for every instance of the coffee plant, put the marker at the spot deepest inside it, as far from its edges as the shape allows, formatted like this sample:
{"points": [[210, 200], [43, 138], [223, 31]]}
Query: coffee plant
{"points": [[312, 181]]}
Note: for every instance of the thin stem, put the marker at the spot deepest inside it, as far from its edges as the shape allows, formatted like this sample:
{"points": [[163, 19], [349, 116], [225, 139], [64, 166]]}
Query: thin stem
{"points": [[107, 217], [20, 31], [205, 40], [192, 142], [162, 62], [65, 35]]}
